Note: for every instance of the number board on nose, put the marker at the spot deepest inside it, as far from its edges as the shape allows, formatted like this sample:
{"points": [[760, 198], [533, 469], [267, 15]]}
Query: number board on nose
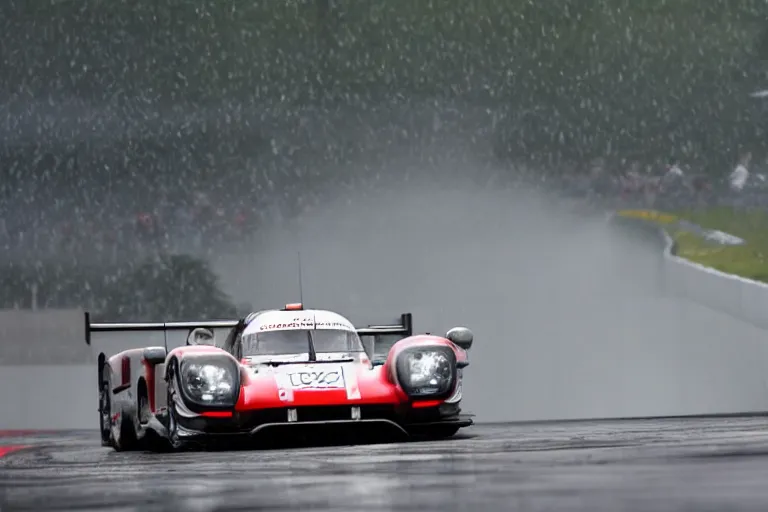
{"points": [[324, 378]]}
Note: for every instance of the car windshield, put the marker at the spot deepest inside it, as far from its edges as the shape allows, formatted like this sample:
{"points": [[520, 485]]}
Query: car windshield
{"points": [[296, 341]]}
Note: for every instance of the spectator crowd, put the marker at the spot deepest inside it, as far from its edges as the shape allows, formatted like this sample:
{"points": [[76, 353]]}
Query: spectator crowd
{"points": [[109, 233], [112, 229], [673, 185]]}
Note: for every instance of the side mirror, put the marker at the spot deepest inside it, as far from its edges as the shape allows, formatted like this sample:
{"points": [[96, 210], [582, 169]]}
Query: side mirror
{"points": [[461, 336], [201, 336]]}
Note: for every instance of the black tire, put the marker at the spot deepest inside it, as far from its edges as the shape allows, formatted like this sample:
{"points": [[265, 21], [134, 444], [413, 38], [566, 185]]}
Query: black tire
{"points": [[105, 408], [150, 440], [142, 404], [128, 441], [174, 442]]}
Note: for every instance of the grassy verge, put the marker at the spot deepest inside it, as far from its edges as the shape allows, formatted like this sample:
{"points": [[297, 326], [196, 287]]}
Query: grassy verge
{"points": [[749, 260]]}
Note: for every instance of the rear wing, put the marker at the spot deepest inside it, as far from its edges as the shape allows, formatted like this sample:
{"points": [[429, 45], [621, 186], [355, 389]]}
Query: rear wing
{"points": [[153, 326], [378, 339]]}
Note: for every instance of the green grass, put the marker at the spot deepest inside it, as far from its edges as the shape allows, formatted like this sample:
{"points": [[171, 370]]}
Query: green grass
{"points": [[749, 260]]}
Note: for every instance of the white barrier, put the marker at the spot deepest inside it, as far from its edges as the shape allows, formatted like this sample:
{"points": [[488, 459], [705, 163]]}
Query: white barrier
{"points": [[43, 337], [48, 375], [60, 397], [737, 296]]}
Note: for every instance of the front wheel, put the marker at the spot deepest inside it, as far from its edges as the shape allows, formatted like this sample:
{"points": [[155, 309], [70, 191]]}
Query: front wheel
{"points": [[173, 429]]}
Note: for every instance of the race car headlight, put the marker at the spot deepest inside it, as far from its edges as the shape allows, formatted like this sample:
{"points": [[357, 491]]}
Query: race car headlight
{"points": [[427, 371], [210, 382]]}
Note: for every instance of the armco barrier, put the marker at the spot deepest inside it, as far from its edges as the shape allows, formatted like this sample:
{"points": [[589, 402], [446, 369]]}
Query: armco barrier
{"points": [[737, 296]]}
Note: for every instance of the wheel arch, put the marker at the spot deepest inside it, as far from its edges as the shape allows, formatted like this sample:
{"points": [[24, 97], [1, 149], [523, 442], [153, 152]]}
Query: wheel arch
{"points": [[141, 385], [102, 362], [170, 368], [171, 375]]}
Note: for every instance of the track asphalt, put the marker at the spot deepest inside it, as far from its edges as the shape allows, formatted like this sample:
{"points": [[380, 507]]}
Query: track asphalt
{"points": [[689, 464]]}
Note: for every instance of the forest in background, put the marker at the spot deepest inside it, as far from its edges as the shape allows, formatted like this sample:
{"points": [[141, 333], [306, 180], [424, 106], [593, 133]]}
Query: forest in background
{"points": [[578, 79]]}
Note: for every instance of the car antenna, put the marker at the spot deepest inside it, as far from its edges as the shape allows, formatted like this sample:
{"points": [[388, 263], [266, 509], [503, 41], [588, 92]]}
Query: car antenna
{"points": [[301, 287], [312, 354]]}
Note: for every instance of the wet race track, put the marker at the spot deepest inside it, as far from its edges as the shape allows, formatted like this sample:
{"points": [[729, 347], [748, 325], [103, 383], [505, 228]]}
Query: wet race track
{"points": [[634, 465], [573, 323]]}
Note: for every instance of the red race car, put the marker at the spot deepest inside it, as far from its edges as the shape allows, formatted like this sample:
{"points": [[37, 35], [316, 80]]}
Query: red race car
{"points": [[291, 373]]}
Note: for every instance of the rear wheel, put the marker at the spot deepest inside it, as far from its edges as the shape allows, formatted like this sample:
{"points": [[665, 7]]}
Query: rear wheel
{"points": [[105, 408], [127, 441], [150, 439], [142, 405]]}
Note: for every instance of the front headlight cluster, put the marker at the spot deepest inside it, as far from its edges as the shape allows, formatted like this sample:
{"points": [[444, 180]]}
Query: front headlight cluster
{"points": [[427, 371], [210, 381]]}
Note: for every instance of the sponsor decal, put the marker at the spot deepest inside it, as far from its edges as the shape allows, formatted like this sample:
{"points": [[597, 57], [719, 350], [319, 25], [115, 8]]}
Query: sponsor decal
{"points": [[353, 389], [304, 323], [284, 390], [317, 379], [125, 371]]}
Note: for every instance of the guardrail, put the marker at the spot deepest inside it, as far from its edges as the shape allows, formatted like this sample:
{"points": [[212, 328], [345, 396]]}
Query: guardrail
{"points": [[737, 296], [742, 298]]}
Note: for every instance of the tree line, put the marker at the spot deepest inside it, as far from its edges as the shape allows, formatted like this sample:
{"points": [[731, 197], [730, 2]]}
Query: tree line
{"points": [[165, 288]]}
